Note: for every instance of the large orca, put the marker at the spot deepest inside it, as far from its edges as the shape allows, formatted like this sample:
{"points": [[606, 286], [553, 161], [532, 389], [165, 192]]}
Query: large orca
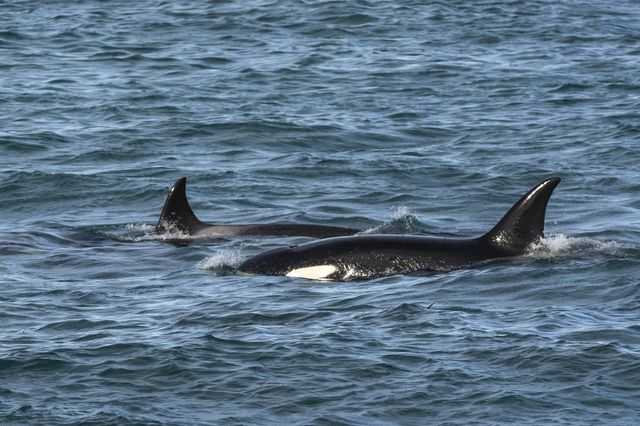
{"points": [[370, 256], [177, 216]]}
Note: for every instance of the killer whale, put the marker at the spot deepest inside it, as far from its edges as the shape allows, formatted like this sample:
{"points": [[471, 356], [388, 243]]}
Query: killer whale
{"points": [[369, 256], [177, 216]]}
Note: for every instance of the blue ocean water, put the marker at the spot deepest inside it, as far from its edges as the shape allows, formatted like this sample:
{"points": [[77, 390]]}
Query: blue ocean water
{"points": [[408, 117]]}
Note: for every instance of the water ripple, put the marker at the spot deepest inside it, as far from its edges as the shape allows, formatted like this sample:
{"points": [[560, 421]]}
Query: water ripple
{"points": [[423, 118]]}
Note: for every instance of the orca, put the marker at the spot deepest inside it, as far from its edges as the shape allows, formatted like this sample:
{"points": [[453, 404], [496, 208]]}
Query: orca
{"points": [[369, 256], [177, 217]]}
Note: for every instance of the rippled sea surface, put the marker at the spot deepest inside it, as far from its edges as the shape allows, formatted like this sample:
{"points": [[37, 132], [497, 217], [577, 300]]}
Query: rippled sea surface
{"points": [[387, 116]]}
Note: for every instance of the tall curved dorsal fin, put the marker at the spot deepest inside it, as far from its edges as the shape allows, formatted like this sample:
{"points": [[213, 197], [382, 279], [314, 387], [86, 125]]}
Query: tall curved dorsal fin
{"points": [[176, 213], [524, 222]]}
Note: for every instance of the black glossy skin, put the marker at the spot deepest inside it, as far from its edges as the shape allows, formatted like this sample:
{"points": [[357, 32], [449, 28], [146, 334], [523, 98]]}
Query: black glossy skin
{"points": [[273, 229], [369, 256], [177, 216]]}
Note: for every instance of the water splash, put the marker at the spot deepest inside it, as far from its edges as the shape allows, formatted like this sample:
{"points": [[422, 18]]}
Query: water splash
{"points": [[224, 260], [401, 213], [139, 232], [559, 245], [402, 221]]}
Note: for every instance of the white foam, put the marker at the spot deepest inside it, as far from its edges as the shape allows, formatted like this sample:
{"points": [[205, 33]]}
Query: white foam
{"points": [[401, 212], [141, 227], [173, 235], [138, 232], [151, 235], [222, 259], [560, 246]]}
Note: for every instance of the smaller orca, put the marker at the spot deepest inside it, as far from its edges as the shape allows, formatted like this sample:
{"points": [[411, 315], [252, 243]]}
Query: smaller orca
{"points": [[177, 216], [369, 256]]}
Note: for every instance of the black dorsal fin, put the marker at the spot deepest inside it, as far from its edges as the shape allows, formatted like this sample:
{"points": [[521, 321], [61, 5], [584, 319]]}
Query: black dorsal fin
{"points": [[176, 213], [524, 222]]}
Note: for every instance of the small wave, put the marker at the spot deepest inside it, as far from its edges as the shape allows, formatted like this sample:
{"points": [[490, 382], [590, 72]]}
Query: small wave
{"points": [[223, 261], [76, 325], [560, 245]]}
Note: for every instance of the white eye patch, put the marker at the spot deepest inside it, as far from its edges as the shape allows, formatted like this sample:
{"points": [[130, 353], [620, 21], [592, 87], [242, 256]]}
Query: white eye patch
{"points": [[319, 272]]}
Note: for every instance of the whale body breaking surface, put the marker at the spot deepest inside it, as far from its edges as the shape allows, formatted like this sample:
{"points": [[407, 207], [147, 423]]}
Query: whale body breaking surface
{"points": [[370, 256], [178, 217]]}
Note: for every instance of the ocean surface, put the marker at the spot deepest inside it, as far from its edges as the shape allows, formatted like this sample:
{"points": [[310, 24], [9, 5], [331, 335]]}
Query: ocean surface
{"points": [[387, 116]]}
